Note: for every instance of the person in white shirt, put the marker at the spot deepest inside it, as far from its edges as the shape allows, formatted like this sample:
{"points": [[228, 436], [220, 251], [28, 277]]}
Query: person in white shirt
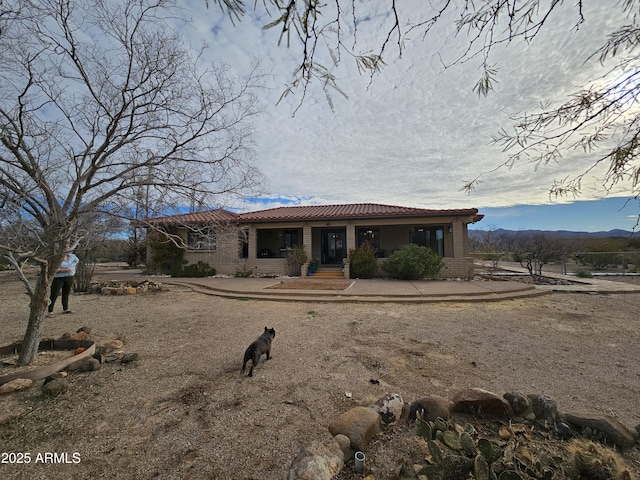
{"points": [[63, 281]]}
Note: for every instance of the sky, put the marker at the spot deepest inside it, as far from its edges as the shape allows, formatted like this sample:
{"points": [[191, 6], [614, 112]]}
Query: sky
{"points": [[418, 131]]}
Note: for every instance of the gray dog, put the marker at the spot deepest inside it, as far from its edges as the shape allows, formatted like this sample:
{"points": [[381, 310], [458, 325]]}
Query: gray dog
{"points": [[261, 345]]}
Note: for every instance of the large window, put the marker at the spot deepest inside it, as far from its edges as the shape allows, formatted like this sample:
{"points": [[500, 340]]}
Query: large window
{"points": [[432, 237], [276, 242]]}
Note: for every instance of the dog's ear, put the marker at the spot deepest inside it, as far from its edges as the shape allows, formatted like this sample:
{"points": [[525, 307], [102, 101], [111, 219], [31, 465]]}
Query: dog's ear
{"points": [[266, 329]]}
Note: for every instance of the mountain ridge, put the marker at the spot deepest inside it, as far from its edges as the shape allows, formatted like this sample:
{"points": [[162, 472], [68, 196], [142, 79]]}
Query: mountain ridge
{"points": [[563, 233]]}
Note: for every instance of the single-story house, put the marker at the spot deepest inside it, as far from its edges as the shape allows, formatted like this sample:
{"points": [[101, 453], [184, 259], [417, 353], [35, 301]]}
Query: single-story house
{"points": [[259, 241]]}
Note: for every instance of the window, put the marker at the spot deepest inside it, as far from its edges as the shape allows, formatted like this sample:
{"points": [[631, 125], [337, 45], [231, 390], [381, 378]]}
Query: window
{"points": [[432, 237], [369, 234], [276, 242], [203, 238]]}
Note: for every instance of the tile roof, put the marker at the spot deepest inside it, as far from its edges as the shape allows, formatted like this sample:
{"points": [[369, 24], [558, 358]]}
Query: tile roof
{"points": [[208, 216], [348, 211], [315, 212]]}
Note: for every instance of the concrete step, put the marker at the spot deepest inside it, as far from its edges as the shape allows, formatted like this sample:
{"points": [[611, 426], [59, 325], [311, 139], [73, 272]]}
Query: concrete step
{"points": [[332, 274]]}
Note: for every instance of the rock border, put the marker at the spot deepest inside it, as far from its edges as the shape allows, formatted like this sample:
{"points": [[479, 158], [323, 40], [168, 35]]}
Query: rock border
{"points": [[353, 430], [48, 344]]}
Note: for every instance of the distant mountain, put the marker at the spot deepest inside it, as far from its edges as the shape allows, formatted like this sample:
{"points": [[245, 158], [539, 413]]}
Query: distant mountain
{"points": [[478, 233]]}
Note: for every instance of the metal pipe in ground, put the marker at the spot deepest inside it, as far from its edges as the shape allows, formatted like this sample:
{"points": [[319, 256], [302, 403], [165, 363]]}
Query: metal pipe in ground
{"points": [[359, 461]]}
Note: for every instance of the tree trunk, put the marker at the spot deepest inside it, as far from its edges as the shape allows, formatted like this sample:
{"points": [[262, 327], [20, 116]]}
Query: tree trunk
{"points": [[37, 312]]}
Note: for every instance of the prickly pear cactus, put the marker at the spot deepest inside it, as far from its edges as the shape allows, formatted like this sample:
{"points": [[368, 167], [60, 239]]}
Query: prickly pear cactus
{"points": [[460, 452]]}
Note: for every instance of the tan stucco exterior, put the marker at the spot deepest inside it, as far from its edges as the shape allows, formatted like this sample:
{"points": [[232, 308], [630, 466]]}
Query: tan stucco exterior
{"points": [[227, 258]]}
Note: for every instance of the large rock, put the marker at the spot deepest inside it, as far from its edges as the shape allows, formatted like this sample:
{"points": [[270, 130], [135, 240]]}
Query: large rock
{"points": [[55, 387], [319, 461], [520, 404], [345, 445], [610, 426], [479, 401], [360, 424], [390, 408], [544, 408], [88, 364], [432, 407], [15, 385]]}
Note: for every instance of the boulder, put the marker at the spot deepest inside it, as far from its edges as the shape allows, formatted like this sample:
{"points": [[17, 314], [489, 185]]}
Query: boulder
{"points": [[544, 408], [608, 425], [345, 445], [55, 387], [319, 461], [15, 385], [360, 425], [88, 364], [479, 401], [432, 407], [520, 404], [390, 408]]}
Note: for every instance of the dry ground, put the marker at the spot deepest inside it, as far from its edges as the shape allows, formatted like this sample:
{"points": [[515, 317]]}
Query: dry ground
{"points": [[185, 411]]}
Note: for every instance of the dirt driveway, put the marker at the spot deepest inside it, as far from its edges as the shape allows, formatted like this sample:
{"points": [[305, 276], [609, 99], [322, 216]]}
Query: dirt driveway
{"points": [[183, 410]]}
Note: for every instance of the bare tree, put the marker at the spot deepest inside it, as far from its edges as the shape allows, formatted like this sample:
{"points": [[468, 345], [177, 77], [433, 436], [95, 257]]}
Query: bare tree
{"points": [[601, 120], [99, 99]]}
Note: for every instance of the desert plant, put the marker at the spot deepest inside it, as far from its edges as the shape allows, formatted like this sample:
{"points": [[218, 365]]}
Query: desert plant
{"points": [[412, 262], [195, 270], [583, 274], [296, 257], [363, 262]]}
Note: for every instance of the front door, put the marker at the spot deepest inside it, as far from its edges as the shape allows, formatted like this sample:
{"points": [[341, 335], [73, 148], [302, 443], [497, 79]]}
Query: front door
{"points": [[334, 246]]}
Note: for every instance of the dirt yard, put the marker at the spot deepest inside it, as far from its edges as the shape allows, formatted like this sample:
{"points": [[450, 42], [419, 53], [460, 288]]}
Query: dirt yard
{"points": [[184, 410]]}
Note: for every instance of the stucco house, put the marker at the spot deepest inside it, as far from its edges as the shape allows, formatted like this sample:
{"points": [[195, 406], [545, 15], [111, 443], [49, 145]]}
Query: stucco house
{"points": [[259, 241]]}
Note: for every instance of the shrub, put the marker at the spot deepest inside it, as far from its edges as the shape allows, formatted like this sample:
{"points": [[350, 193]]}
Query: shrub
{"points": [[195, 270], [362, 261], [296, 257], [412, 262], [583, 274]]}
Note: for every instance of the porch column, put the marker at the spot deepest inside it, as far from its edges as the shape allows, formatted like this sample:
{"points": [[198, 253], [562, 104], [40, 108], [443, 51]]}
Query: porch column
{"points": [[458, 239], [307, 243], [350, 239], [252, 250]]}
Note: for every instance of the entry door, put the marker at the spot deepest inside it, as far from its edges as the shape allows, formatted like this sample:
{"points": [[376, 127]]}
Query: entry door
{"points": [[334, 246]]}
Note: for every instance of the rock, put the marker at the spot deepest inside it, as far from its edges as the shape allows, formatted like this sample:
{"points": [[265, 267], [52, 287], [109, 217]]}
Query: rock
{"points": [[100, 357], [85, 365], [15, 385], [360, 425], [390, 408], [55, 387], [544, 408], [85, 329], [320, 461], [345, 445], [129, 357], [479, 401], [432, 407], [563, 431], [82, 335], [112, 357], [114, 345], [520, 404], [608, 425], [108, 347]]}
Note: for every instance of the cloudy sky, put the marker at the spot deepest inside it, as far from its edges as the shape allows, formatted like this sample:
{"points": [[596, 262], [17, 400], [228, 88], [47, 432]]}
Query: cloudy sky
{"points": [[418, 131]]}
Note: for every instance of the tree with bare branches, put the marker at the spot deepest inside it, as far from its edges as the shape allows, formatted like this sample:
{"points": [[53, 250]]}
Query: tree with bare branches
{"points": [[99, 101], [601, 120]]}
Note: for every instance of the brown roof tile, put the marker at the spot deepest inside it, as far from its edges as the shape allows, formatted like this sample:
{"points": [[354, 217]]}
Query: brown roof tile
{"points": [[208, 216], [315, 212], [352, 210]]}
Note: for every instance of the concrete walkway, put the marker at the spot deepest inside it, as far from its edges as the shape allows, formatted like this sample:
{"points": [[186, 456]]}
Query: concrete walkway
{"points": [[374, 291]]}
